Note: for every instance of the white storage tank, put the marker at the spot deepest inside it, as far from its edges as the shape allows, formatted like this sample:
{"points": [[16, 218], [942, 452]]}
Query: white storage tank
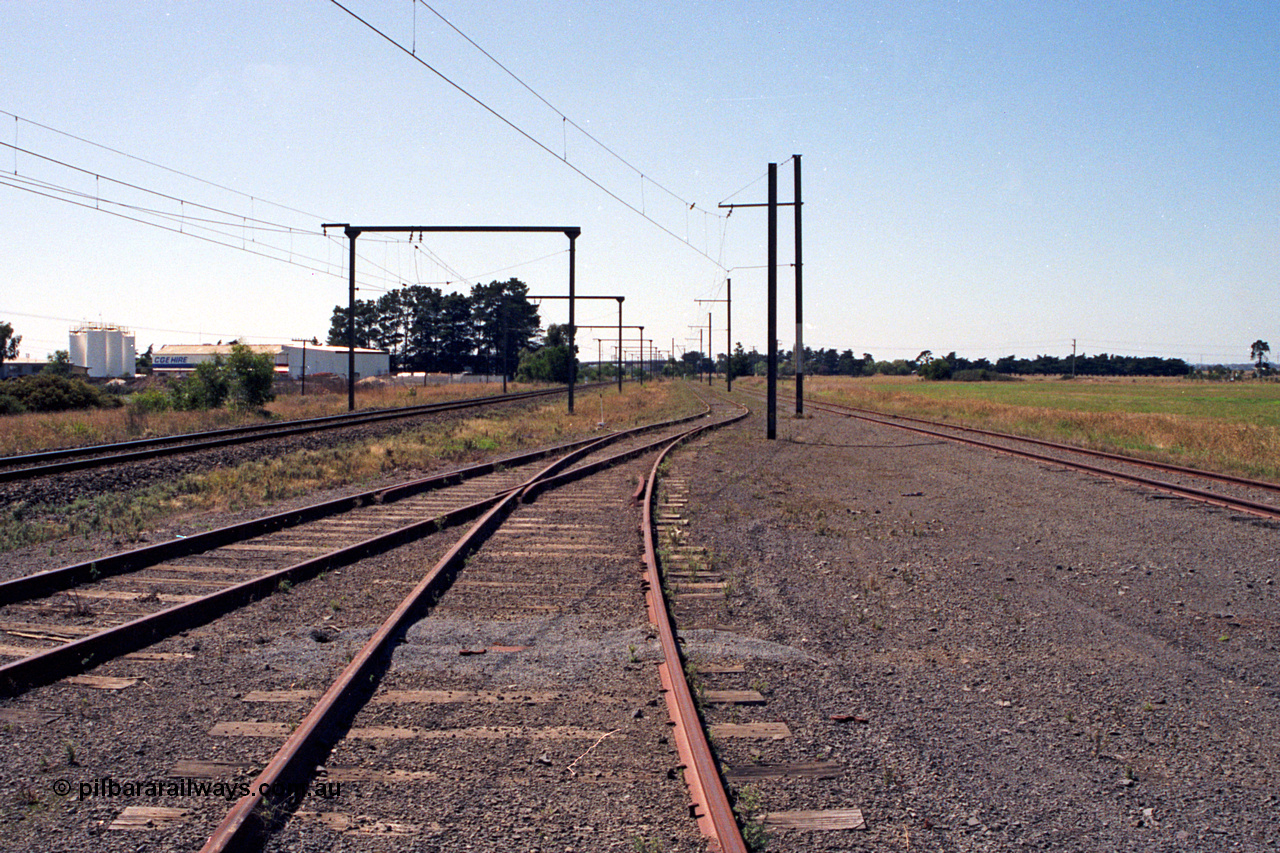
{"points": [[105, 350]]}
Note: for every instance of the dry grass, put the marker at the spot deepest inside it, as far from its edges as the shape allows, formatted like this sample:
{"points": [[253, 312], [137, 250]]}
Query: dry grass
{"points": [[432, 447], [1220, 427], [33, 432]]}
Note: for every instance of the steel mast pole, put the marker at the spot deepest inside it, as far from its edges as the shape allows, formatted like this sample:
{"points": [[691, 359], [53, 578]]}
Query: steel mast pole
{"points": [[771, 418], [799, 301], [711, 371], [728, 314], [573, 347], [352, 234]]}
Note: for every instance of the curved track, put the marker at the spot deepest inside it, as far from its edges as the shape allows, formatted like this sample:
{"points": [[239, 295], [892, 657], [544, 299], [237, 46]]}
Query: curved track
{"points": [[1239, 494], [79, 615], [553, 554], [567, 554]]}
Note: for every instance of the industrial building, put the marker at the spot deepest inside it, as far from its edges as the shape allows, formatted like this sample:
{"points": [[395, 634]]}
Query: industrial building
{"points": [[106, 350], [288, 358]]}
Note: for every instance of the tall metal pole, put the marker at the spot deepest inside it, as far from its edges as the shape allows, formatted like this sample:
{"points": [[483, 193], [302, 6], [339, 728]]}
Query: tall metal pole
{"points": [[619, 344], [303, 341], [771, 389], [711, 371], [728, 364], [352, 234], [506, 343], [573, 349], [799, 302], [642, 356]]}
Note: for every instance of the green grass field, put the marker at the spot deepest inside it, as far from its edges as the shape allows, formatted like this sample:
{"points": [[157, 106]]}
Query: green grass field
{"points": [[1232, 426], [1256, 403]]}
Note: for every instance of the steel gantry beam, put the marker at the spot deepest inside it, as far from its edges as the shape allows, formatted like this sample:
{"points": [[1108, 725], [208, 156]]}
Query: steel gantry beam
{"points": [[354, 231], [728, 313], [620, 299], [619, 327]]}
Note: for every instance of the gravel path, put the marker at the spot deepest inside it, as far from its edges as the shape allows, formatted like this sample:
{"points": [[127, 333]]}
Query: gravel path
{"points": [[995, 654]]}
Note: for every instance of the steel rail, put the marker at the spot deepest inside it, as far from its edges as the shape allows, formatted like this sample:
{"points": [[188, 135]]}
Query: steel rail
{"points": [[1238, 504], [1232, 479], [52, 664], [194, 442], [66, 577], [76, 656], [295, 762], [711, 805], [40, 456], [252, 816]]}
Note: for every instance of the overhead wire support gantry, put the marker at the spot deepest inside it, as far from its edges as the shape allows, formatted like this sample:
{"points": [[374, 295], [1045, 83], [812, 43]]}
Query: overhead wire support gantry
{"points": [[354, 231], [620, 299], [771, 428]]}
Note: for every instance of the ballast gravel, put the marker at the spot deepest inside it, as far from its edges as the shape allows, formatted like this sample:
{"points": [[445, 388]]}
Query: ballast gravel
{"points": [[993, 654]]}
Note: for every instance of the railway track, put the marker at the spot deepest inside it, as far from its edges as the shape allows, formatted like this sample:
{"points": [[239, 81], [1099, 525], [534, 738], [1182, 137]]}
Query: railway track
{"points": [[1255, 498], [433, 706], [64, 460], [74, 616]]}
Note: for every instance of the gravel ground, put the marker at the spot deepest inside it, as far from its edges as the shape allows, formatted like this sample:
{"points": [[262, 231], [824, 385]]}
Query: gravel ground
{"points": [[591, 653], [991, 654], [996, 654]]}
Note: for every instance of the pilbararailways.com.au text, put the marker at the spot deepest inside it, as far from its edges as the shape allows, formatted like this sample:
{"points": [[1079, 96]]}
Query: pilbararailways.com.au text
{"points": [[108, 787]]}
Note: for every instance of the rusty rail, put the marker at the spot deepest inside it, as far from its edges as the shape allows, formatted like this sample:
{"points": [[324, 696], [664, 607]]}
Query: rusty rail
{"points": [[711, 804], [871, 415], [48, 462], [48, 666], [252, 816], [1226, 502]]}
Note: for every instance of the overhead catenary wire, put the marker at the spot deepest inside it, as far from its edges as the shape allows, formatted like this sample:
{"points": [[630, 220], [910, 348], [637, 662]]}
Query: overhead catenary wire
{"points": [[409, 51], [181, 222], [17, 119], [565, 120]]}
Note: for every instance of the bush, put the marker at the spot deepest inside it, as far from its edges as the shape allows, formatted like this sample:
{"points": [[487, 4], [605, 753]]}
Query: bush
{"points": [[206, 388], [981, 375], [252, 377], [47, 392], [246, 379], [10, 405], [149, 402]]}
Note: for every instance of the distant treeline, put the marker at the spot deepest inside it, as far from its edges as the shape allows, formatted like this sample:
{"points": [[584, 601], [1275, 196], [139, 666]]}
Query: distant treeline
{"points": [[425, 329], [830, 362]]}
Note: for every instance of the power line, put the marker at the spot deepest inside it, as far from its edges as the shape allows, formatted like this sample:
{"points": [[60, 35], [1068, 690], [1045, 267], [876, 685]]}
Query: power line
{"points": [[564, 118], [155, 165], [179, 222], [509, 123]]}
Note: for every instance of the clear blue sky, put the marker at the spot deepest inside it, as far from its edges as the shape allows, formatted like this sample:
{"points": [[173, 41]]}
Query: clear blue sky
{"points": [[988, 177]]}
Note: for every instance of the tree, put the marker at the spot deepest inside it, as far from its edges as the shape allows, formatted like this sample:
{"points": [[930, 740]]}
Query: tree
{"points": [[8, 346], [740, 364], [251, 377], [1257, 353], [457, 335], [505, 322], [366, 319], [552, 362], [144, 361], [425, 307], [59, 364]]}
